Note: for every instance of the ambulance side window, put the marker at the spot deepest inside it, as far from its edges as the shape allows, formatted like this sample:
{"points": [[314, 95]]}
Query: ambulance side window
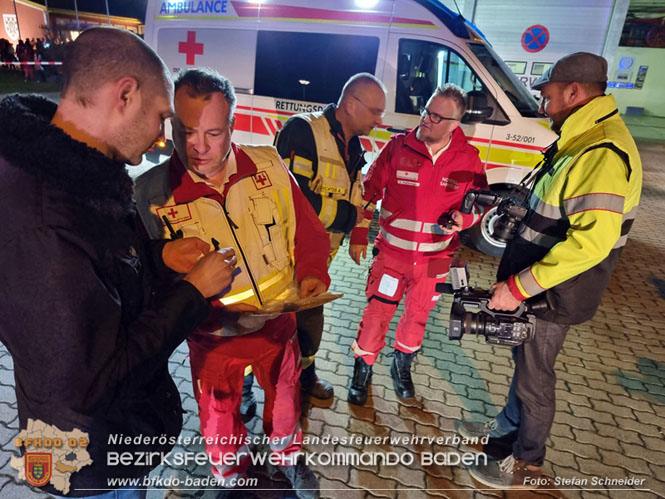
{"points": [[423, 66], [310, 66]]}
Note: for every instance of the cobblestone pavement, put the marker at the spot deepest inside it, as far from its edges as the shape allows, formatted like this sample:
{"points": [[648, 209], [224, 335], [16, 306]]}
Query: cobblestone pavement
{"points": [[610, 417]]}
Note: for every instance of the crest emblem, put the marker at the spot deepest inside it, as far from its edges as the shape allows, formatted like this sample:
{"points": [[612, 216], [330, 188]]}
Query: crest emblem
{"points": [[38, 468], [11, 26]]}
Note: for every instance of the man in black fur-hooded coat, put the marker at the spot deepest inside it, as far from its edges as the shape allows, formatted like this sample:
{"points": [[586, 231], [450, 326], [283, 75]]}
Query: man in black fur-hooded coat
{"points": [[89, 338]]}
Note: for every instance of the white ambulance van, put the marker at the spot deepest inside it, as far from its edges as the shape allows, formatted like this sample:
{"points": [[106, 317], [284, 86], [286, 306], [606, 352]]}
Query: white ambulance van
{"points": [[291, 56]]}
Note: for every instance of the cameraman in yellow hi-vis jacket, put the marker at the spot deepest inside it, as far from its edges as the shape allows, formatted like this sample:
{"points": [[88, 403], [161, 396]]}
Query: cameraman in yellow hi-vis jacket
{"points": [[581, 208]]}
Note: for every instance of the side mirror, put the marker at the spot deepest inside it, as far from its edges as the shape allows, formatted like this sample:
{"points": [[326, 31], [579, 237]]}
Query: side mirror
{"points": [[477, 110]]}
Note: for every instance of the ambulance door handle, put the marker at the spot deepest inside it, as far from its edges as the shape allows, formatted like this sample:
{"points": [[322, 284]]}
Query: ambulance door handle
{"points": [[248, 91]]}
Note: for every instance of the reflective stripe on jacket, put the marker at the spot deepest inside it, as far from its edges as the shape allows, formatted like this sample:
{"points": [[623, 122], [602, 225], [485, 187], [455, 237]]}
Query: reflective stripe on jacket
{"points": [[331, 179], [416, 192], [582, 211]]}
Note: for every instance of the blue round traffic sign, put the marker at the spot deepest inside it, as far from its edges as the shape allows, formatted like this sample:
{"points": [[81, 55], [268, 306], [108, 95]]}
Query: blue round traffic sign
{"points": [[535, 38]]}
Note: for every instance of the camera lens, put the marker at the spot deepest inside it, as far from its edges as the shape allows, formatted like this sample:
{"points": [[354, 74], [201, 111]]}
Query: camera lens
{"points": [[475, 323], [505, 228], [481, 323]]}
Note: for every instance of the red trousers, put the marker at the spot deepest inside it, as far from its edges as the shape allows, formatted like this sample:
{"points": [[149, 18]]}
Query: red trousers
{"points": [[218, 366], [389, 279]]}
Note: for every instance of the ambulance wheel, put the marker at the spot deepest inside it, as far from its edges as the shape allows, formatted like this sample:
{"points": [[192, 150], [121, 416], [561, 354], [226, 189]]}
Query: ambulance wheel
{"points": [[480, 235]]}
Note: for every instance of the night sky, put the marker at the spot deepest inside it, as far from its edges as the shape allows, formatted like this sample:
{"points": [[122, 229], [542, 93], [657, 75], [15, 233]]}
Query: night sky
{"points": [[125, 8]]}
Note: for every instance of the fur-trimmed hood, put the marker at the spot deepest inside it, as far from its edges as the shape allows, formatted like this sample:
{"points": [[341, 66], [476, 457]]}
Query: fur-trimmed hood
{"points": [[28, 141]]}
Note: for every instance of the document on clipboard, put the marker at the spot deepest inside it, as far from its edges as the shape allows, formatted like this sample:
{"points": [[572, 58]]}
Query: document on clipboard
{"points": [[283, 306]]}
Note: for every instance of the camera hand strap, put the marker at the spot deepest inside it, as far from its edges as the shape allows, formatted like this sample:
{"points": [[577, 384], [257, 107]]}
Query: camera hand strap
{"points": [[523, 190], [541, 169]]}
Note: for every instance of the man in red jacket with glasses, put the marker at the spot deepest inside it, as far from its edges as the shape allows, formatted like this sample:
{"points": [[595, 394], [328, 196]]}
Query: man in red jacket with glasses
{"points": [[419, 176]]}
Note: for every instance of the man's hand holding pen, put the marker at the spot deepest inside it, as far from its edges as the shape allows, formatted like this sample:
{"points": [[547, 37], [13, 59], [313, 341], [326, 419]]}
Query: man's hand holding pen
{"points": [[182, 254], [209, 271], [214, 272]]}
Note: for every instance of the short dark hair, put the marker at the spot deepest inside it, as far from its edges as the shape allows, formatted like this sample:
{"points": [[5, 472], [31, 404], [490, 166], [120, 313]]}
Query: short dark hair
{"points": [[203, 82], [104, 54], [455, 93]]}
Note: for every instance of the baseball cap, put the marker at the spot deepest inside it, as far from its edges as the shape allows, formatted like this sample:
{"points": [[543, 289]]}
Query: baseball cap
{"points": [[581, 66]]}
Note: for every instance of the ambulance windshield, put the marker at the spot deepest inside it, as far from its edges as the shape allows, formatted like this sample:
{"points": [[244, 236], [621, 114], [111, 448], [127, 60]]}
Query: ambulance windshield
{"points": [[514, 90], [424, 65]]}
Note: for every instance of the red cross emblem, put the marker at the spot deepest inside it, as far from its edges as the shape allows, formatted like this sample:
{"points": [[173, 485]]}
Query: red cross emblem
{"points": [[261, 181], [191, 48], [175, 213]]}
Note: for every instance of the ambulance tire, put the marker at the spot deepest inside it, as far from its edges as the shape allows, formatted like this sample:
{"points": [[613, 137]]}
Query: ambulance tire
{"points": [[480, 237]]}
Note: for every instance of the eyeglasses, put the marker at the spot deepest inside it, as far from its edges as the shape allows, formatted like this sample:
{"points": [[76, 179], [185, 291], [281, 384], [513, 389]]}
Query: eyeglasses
{"points": [[433, 117], [375, 111]]}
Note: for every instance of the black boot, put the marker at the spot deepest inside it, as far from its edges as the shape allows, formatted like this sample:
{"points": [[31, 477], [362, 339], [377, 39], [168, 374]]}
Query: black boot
{"points": [[401, 373], [362, 377], [248, 403], [315, 386]]}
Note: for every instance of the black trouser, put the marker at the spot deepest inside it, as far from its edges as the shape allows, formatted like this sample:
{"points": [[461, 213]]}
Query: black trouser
{"points": [[310, 330], [310, 322], [532, 393]]}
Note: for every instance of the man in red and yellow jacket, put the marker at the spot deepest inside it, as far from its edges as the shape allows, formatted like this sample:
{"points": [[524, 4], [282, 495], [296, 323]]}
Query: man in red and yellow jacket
{"points": [[243, 197], [420, 177]]}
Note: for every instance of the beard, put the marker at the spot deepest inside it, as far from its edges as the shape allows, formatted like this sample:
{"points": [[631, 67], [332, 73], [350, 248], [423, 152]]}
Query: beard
{"points": [[425, 135], [419, 135], [555, 126]]}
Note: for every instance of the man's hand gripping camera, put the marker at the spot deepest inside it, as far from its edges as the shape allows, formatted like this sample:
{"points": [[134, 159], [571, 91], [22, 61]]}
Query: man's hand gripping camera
{"points": [[498, 327]]}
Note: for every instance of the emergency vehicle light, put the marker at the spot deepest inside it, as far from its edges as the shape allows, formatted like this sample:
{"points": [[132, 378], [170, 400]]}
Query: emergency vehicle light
{"points": [[366, 4]]}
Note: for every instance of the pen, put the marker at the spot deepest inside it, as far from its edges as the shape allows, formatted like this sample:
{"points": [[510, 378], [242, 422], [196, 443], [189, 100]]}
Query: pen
{"points": [[174, 234]]}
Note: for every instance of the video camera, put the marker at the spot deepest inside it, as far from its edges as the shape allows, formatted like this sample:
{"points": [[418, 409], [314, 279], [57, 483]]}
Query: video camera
{"points": [[498, 327], [511, 210]]}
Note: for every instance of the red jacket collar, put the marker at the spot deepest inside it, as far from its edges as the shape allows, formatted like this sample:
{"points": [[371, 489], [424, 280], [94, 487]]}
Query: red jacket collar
{"points": [[184, 188], [457, 142]]}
